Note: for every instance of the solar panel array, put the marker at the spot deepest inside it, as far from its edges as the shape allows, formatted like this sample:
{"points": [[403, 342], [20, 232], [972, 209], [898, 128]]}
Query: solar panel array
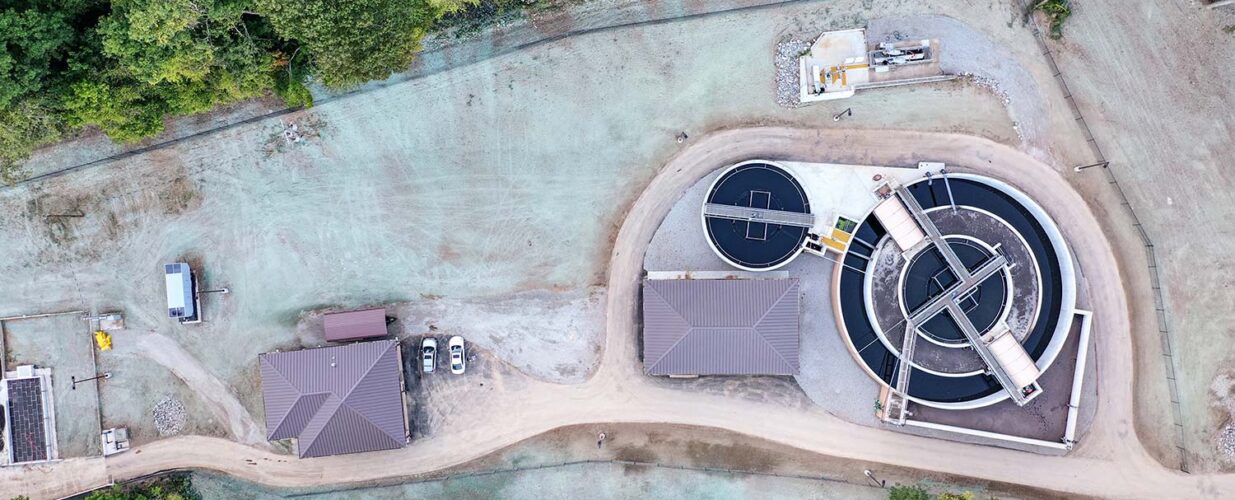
{"points": [[26, 420]]}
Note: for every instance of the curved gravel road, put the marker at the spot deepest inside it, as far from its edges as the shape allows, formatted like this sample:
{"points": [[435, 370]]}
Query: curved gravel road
{"points": [[1109, 461]]}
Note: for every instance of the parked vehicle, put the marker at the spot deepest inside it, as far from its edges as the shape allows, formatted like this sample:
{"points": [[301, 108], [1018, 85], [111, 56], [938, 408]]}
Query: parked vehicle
{"points": [[457, 357], [428, 354]]}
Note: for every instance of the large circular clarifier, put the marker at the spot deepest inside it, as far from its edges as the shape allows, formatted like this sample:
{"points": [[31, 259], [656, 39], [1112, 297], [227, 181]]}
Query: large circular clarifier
{"points": [[746, 216], [881, 283]]}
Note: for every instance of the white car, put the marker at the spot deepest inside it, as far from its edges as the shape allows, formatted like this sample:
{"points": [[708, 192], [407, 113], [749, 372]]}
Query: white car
{"points": [[428, 354], [457, 356]]}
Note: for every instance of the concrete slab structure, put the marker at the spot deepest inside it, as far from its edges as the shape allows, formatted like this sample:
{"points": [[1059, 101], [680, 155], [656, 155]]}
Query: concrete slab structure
{"points": [[1011, 277], [62, 343], [835, 66], [839, 63], [1044, 420]]}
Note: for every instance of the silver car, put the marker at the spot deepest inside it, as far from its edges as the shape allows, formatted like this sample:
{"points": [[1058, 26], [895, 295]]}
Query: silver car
{"points": [[428, 354]]}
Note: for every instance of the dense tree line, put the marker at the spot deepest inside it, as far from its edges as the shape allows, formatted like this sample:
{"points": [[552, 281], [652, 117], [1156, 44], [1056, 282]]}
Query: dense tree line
{"points": [[125, 65]]}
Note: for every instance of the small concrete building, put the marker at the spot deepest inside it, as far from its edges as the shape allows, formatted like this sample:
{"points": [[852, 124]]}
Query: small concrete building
{"points": [[721, 327], [336, 400]]}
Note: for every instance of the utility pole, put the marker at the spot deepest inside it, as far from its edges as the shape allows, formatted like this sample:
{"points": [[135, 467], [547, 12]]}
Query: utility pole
{"points": [[846, 112]]}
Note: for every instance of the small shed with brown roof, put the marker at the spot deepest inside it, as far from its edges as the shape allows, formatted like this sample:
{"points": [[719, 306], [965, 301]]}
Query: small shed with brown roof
{"points": [[355, 325], [721, 327], [336, 400]]}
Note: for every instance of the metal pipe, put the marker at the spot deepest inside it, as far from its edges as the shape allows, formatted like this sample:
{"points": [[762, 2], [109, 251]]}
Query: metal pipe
{"points": [[1102, 164], [33, 316], [948, 185], [96, 377]]}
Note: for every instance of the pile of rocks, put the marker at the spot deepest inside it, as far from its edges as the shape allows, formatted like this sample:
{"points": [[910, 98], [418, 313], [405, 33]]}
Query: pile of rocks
{"points": [[1226, 442], [991, 84], [169, 416], [787, 54]]}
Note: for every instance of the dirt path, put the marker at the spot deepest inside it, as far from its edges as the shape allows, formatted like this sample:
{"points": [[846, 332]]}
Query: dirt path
{"points": [[1109, 462], [217, 396]]}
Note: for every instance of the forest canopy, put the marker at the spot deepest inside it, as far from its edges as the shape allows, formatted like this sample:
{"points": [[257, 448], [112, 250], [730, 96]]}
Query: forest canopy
{"points": [[125, 65]]}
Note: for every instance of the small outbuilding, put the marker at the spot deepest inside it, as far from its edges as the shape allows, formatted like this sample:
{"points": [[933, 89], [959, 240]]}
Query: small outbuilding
{"points": [[336, 400], [182, 302], [355, 325], [721, 327]]}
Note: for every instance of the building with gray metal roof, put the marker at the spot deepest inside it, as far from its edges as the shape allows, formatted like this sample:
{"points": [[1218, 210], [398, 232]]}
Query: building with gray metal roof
{"points": [[336, 400], [721, 327]]}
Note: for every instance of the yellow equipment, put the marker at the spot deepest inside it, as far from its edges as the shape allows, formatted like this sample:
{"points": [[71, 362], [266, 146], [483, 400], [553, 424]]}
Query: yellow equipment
{"points": [[103, 340]]}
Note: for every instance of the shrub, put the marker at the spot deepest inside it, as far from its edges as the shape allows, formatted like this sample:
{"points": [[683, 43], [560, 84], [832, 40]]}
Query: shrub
{"points": [[1057, 11], [899, 492]]}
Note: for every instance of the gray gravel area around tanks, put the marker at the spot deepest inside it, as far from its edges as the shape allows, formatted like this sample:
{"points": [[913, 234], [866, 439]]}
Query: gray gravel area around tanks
{"points": [[966, 51], [830, 377]]}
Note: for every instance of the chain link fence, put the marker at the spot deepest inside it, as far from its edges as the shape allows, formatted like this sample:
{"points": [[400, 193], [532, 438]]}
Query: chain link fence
{"points": [[1164, 331]]}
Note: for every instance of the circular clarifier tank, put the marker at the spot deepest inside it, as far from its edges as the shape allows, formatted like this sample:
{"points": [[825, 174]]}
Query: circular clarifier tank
{"points": [[755, 214], [978, 217]]}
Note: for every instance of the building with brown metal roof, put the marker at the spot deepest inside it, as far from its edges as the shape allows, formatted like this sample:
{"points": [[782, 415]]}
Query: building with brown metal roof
{"points": [[355, 325], [336, 400], [721, 327]]}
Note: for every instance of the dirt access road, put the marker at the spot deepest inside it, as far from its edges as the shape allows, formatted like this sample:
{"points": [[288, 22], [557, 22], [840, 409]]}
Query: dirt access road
{"points": [[1109, 462]]}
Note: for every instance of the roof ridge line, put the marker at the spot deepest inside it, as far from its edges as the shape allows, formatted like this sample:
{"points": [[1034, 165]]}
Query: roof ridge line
{"points": [[299, 394], [362, 376], [293, 406], [365, 418], [342, 404], [689, 330], [759, 333]]}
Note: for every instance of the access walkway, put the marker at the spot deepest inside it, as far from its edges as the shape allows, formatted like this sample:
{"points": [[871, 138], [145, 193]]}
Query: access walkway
{"points": [[949, 300], [764, 215]]}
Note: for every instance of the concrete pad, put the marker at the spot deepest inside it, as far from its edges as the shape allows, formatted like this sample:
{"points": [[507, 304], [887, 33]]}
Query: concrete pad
{"points": [[829, 376], [65, 344]]}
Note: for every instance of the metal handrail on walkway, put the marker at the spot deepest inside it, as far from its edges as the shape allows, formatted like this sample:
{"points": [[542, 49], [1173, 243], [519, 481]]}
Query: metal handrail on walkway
{"points": [[753, 214]]}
